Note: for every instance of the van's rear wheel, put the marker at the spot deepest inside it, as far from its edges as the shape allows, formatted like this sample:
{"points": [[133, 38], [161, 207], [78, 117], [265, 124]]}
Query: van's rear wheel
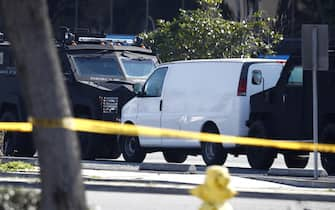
{"points": [[293, 160], [259, 157], [131, 149], [174, 156], [328, 159]]}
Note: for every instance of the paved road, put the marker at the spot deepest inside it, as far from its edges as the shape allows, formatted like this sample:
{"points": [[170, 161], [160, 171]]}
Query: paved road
{"points": [[121, 185], [127, 201]]}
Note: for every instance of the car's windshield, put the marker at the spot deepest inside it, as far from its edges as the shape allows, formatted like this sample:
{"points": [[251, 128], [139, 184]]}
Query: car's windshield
{"points": [[97, 66], [138, 67]]}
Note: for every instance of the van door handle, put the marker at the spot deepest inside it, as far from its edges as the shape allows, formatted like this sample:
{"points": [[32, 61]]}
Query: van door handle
{"points": [[160, 105]]}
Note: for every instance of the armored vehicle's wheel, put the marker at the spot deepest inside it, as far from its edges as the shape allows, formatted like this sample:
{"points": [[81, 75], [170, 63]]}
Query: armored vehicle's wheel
{"points": [[259, 157], [115, 149], [293, 160], [9, 138], [86, 146], [213, 153], [15, 143], [328, 159], [131, 149], [86, 140], [174, 156]]}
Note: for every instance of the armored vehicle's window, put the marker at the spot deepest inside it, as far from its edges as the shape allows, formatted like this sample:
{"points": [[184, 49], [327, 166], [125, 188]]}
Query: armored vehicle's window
{"points": [[295, 76], [97, 66], [154, 85], [138, 67]]}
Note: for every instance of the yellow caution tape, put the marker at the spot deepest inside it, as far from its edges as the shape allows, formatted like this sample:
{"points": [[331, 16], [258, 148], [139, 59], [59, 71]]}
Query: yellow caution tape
{"points": [[104, 127], [66, 123], [16, 126]]}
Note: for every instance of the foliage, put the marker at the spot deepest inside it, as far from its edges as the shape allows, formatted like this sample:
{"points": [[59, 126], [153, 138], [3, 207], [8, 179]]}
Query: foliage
{"points": [[12, 198], [15, 166], [204, 33]]}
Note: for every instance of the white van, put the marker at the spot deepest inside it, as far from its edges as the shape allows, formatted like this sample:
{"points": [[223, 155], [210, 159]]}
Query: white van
{"points": [[197, 95]]}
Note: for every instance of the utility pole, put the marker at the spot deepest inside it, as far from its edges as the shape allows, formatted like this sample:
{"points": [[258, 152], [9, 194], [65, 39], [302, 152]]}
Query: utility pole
{"points": [[29, 30]]}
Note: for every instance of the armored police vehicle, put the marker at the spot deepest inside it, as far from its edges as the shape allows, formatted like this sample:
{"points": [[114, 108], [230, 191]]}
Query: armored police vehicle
{"points": [[99, 73], [286, 112]]}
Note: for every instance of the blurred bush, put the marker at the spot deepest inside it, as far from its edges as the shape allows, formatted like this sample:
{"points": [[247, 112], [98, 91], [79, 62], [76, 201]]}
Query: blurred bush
{"points": [[15, 198]]}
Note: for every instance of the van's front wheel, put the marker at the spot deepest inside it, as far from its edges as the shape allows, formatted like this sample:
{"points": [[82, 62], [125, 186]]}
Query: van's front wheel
{"points": [[131, 149], [213, 153], [174, 156]]}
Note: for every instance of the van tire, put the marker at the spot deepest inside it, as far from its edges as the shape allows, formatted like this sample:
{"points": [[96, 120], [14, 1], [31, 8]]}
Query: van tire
{"points": [[259, 157], [15, 143], [293, 160], [328, 159], [174, 156], [131, 149], [213, 153]]}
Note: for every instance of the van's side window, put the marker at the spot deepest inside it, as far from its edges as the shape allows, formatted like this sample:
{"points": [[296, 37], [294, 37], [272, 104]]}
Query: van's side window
{"points": [[295, 76], [153, 86]]}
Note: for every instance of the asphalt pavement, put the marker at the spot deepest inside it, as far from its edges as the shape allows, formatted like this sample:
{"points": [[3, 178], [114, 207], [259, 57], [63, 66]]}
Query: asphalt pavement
{"points": [[168, 178]]}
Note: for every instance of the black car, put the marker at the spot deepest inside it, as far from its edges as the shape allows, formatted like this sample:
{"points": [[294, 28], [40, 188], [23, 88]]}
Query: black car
{"points": [[99, 73]]}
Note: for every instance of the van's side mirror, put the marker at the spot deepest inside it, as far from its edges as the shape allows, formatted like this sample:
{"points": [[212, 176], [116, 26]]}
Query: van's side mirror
{"points": [[138, 88], [257, 77]]}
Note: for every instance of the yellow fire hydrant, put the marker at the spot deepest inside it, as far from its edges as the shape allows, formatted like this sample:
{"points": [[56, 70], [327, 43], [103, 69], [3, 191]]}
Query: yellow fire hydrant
{"points": [[216, 190]]}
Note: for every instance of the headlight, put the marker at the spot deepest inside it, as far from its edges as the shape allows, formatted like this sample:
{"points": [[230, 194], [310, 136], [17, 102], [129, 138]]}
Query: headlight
{"points": [[109, 104]]}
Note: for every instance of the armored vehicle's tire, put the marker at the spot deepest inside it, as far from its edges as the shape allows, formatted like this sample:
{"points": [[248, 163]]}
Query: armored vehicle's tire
{"points": [[15, 143], [131, 149], [259, 157], [115, 150], [86, 146], [293, 160], [213, 153], [9, 138], [174, 156], [328, 159], [86, 140]]}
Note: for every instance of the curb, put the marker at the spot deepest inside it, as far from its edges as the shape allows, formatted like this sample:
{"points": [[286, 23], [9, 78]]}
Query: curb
{"points": [[297, 172], [150, 188], [305, 182], [172, 167], [292, 177]]}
